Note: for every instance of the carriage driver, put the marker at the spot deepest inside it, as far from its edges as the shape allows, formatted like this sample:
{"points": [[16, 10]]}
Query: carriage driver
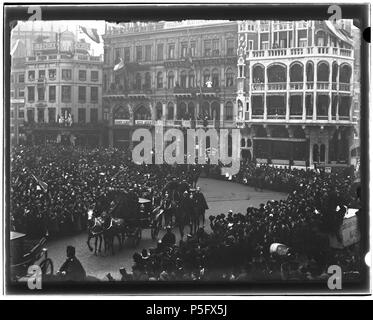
{"points": [[72, 269], [166, 206]]}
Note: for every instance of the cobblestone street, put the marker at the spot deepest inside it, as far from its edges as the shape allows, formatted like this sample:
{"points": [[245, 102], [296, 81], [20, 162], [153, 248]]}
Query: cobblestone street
{"points": [[221, 196]]}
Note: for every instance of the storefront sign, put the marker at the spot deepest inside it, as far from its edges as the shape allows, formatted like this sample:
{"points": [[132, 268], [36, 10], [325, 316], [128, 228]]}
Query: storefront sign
{"points": [[122, 122]]}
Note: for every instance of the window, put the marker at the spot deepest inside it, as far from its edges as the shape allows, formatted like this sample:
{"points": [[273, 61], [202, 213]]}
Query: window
{"points": [[159, 80], [215, 78], [230, 47], [138, 53], [12, 93], [12, 78], [206, 76], [66, 74], [229, 111], [265, 45], [51, 114], [94, 94], [215, 47], [81, 115], [171, 79], [160, 51], [138, 81], [31, 75], [148, 52], [117, 55], [41, 92], [127, 54], [66, 94], [21, 78], [52, 93], [40, 115], [148, 80], [21, 93], [21, 114], [251, 45], [42, 74], [229, 78], [106, 55], [303, 42], [193, 49], [207, 48], [183, 79], [31, 94], [192, 79], [82, 94], [52, 74], [184, 49], [82, 75], [94, 76], [94, 115], [171, 51]]}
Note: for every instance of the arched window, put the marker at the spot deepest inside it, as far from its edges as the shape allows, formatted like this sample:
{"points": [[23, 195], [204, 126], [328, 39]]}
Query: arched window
{"points": [[309, 71], [206, 76], [215, 78], [228, 111], [323, 72], [322, 153], [296, 72], [171, 80], [170, 111], [192, 79], [182, 111], [345, 74], [158, 111], [142, 113], [159, 80], [258, 74], [276, 73], [121, 112], [215, 111], [148, 80], [243, 143], [315, 153], [138, 81], [229, 78], [191, 110], [183, 79], [206, 110]]}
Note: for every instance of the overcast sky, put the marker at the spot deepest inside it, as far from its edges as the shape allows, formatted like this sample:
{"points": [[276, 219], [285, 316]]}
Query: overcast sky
{"points": [[71, 25]]}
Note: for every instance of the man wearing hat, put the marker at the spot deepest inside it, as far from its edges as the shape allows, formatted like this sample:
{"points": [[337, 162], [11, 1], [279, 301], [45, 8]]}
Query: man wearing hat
{"points": [[72, 269], [201, 204], [169, 238]]}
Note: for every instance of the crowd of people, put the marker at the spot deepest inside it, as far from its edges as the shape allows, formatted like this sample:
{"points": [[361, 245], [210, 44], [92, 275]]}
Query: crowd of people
{"points": [[238, 247], [53, 187]]}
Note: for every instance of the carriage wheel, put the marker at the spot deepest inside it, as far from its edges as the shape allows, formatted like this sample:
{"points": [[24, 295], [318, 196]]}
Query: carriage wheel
{"points": [[46, 267]]}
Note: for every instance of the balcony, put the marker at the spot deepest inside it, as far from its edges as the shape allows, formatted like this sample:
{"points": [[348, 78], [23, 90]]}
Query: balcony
{"points": [[282, 26], [344, 87], [300, 51], [276, 86], [144, 122], [257, 87], [322, 85], [294, 86]]}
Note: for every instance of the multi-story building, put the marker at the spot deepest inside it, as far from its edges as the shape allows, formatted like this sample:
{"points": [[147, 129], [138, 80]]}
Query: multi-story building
{"points": [[63, 91], [294, 91], [179, 74]]}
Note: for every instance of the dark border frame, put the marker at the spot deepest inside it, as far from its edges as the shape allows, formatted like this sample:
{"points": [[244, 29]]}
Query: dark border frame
{"points": [[172, 11]]}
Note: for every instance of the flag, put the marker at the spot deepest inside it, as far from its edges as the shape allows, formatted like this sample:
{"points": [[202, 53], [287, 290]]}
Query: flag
{"points": [[14, 49], [41, 183], [91, 33], [119, 66]]}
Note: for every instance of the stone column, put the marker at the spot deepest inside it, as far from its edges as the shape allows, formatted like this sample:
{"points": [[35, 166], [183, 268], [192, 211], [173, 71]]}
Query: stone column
{"points": [[314, 114], [222, 115], [287, 97], [164, 111]]}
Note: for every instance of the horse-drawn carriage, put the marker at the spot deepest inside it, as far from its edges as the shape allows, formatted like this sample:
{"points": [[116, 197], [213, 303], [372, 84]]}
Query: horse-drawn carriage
{"points": [[25, 253], [124, 216]]}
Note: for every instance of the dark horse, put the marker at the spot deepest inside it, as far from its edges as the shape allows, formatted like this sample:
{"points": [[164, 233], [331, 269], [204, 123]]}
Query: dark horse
{"points": [[113, 228]]}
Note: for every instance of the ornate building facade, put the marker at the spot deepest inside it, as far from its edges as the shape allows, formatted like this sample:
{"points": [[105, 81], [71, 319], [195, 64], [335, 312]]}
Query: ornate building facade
{"points": [[63, 91], [178, 74], [295, 87]]}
